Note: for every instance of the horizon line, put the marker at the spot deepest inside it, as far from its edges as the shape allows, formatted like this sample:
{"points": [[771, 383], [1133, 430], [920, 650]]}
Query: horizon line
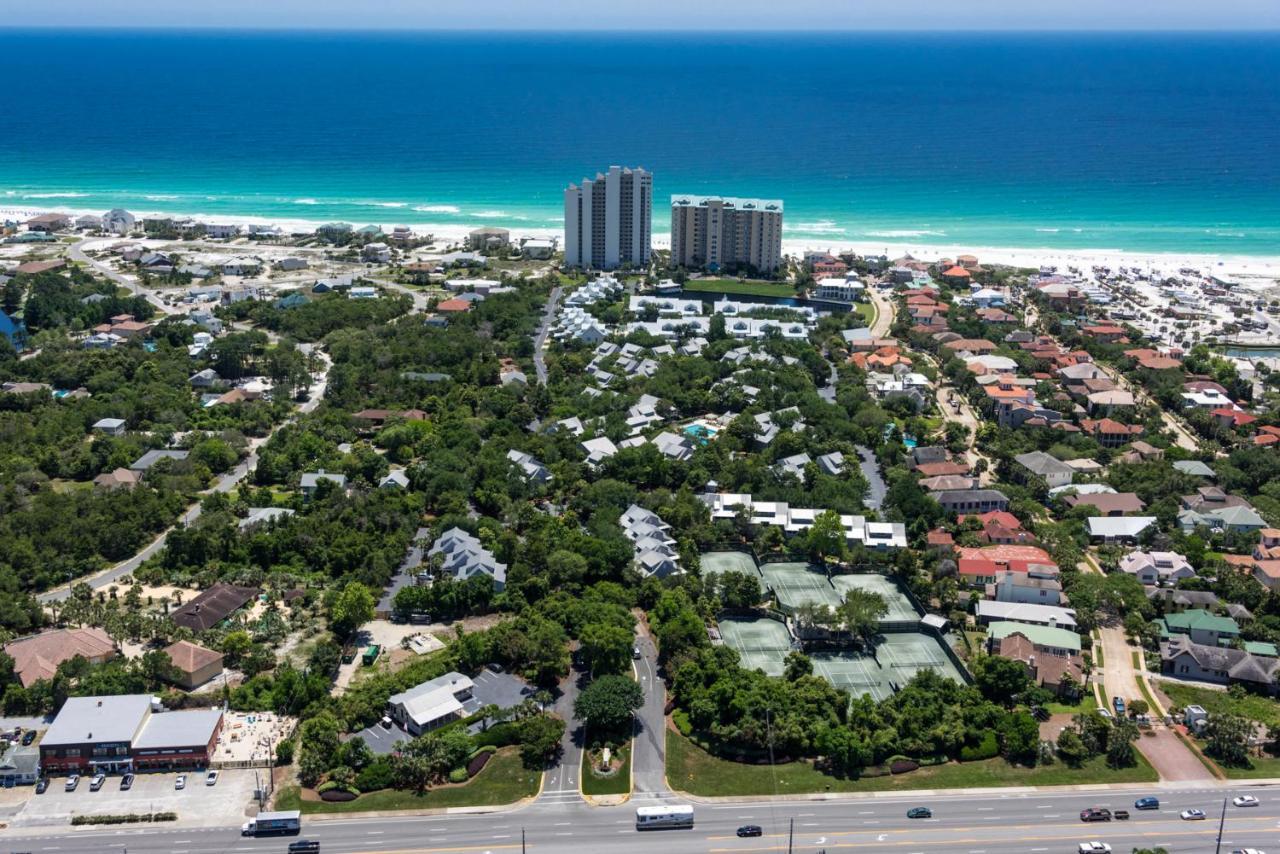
{"points": [[762, 30]]}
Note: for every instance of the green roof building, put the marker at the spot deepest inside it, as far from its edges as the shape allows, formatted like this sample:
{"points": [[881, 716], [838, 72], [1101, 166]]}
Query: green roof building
{"points": [[1049, 638], [1201, 626]]}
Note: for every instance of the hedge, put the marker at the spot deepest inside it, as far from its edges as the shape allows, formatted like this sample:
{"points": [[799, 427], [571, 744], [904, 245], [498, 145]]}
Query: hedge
{"points": [[129, 818], [376, 775], [458, 775], [477, 763], [499, 735], [988, 748]]}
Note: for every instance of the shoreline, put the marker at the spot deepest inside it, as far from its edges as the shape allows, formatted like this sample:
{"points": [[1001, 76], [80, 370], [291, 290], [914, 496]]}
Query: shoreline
{"points": [[1264, 269]]}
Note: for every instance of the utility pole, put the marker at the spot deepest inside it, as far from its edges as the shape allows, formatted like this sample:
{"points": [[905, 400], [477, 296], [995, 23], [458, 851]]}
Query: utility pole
{"points": [[522, 851], [1217, 849], [791, 832]]}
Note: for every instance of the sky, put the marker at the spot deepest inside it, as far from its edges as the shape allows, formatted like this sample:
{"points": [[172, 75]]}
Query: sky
{"points": [[655, 14]]}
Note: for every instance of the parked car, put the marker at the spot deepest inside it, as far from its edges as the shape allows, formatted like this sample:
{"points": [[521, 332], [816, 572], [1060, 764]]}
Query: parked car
{"points": [[1248, 851], [1246, 801], [72, 782], [41, 785], [1192, 815], [126, 782], [751, 830], [1095, 814], [96, 783], [181, 782], [211, 779], [1147, 803], [635, 652], [919, 812], [28, 737], [1118, 703], [1094, 848]]}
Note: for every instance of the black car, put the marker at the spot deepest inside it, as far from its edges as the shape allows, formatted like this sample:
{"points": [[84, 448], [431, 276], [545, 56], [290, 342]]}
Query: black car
{"points": [[919, 812], [126, 782], [304, 846], [1095, 814], [751, 830], [28, 737], [42, 785]]}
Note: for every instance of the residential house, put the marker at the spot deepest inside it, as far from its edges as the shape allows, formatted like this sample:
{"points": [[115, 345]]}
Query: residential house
{"points": [[1001, 527], [598, 450], [655, 550], [310, 482], [992, 611], [1053, 471], [37, 657], [1213, 508], [1182, 658], [674, 446], [463, 556], [1108, 503], [213, 606], [967, 501], [1046, 640], [148, 460], [1023, 588], [118, 221], [1170, 600], [1201, 626], [1063, 675], [1152, 568], [110, 426], [1110, 433], [192, 664], [1118, 529], [531, 468], [119, 478]]}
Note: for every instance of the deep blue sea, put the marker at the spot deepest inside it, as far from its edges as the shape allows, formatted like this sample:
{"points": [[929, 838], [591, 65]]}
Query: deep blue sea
{"points": [[1134, 142]]}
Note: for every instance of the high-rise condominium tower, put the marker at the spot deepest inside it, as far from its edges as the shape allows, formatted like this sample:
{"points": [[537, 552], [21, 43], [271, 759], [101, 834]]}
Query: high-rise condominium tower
{"points": [[608, 220]]}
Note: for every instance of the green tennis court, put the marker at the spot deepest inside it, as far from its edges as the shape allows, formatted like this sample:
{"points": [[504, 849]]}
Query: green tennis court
{"points": [[717, 562], [798, 584], [760, 643], [900, 607], [897, 658]]}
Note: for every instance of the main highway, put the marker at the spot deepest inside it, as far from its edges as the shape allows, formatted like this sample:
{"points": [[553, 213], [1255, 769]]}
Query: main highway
{"points": [[973, 823]]}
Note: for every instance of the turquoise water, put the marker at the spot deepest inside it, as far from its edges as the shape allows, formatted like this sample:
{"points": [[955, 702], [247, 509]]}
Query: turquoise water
{"points": [[1134, 142]]}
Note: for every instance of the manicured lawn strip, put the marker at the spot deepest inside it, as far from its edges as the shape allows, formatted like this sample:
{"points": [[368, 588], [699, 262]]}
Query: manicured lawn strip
{"points": [[867, 311], [733, 286], [1220, 702], [504, 780], [1147, 695], [1262, 768], [693, 770], [618, 784], [1087, 704]]}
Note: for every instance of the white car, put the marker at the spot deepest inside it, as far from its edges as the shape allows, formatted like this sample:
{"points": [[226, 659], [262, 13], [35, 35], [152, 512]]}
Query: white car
{"points": [[181, 782], [211, 778], [1094, 848], [1245, 801], [1248, 851], [1192, 815]]}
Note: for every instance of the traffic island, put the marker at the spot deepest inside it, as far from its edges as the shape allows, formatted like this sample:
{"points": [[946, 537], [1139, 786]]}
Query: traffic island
{"points": [[606, 774]]}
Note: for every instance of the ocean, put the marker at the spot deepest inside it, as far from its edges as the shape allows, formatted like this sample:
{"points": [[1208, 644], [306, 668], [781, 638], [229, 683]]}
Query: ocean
{"points": [[1161, 143]]}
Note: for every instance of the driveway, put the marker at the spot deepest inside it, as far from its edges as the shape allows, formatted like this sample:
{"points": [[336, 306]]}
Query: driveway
{"points": [[540, 340], [560, 783], [649, 751]]}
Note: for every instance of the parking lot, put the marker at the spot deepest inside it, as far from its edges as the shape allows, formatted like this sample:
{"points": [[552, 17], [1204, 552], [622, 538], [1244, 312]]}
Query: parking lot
{"points": [[210, 806]]}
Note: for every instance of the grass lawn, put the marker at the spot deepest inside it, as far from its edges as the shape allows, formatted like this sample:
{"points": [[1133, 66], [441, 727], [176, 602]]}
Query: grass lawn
{"points": [[1262, 768], [733, 286], [693, 770], [1254, 708], [867, 311], [617, 784], [504, 780], [1087, 704]]}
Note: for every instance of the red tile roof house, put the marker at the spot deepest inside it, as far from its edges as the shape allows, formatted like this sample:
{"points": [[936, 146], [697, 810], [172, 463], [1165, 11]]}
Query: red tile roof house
{"points": [[1109, 433], [380, 416], [939, 469], [976, 346], [1015, 558], [1107, 333], [1001, 528], [1108, 503], [1232, 417], [957, 276], [1160, 363], [454, 306]]}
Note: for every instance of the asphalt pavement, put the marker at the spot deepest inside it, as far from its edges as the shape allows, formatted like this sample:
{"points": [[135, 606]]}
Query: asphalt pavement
{"points": [[649, 745], [540, 340], [975, 823]]}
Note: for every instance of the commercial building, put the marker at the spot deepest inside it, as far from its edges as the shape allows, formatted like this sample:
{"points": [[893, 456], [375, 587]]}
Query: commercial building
{"points": [[608, 220], [431, 704], [718, 232], [128, 732]]}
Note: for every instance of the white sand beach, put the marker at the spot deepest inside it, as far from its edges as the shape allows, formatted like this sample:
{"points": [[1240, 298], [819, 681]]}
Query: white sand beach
{"points": [[1254, 270]]}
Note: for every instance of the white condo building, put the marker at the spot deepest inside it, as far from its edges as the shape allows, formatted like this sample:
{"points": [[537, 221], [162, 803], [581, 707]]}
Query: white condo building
{"points": [[608, 220]]}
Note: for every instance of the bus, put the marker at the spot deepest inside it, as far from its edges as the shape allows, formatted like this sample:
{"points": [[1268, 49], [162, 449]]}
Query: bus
{"points": [[663, 818]]}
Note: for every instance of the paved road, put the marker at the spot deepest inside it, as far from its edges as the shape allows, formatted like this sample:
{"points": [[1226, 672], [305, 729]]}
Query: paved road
{"points": [[561, 785], [225, 483], [876, 487], [649, 757], [885, 310], [540, 340], [974, 823]]}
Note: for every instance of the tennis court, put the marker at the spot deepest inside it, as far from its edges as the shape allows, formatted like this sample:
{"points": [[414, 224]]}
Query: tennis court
{"points": [[900, 607], [717, 562], [761, 643], [897, 658], [798, 584]]}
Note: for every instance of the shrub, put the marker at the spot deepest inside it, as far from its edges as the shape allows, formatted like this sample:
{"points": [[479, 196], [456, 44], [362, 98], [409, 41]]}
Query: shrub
{"points": [[903, 766], [477, 763], [985, 749], [376, 775], [681, 719], [284, 752], [458, 775], [499, 735]]}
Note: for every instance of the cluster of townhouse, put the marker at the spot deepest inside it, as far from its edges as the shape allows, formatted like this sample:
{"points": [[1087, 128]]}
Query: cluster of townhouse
{"points": [[655, 551], [880, 536]]}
